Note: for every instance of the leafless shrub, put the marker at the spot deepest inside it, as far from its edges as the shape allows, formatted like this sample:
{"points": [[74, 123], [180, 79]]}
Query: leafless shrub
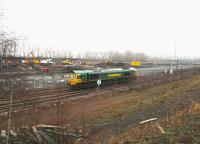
{"points": [[7, 44]]}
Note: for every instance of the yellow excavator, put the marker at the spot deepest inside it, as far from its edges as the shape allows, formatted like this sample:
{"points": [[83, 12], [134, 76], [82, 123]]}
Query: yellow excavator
{"points": [[136, 63], [35, 61], [28, 61], [67, 62]]}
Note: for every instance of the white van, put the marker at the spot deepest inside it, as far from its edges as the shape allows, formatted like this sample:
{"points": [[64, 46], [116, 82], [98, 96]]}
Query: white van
{"points": [[46, 61]]}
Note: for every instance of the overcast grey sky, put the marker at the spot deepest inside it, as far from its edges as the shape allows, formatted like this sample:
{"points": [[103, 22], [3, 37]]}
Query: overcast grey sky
{"points": [[149, 26]]}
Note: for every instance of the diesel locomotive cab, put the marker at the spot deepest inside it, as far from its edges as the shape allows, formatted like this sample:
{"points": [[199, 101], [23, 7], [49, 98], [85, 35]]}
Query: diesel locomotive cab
{"points": [[74, 79], [78, 77]]}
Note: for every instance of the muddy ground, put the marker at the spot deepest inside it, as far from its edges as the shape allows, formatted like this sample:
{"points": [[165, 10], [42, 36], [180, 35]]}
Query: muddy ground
{"points": [[108, 118]]}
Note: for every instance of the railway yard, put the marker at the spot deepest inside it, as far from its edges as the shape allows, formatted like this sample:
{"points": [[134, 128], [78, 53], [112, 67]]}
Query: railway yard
{"points": [[42, 108], [99, 72]]}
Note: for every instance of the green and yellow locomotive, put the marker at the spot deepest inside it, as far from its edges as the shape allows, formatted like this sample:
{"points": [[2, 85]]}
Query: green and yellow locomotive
{"points": [[88, 78]]}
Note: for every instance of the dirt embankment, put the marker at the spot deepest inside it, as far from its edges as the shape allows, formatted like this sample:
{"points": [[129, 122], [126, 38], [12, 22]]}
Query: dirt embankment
{"points": [[181, 127], [162, 102]]}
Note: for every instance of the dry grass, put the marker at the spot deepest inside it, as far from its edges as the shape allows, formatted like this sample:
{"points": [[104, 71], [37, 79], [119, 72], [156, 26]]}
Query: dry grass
{"points": [[176, 126], [127, 103]]}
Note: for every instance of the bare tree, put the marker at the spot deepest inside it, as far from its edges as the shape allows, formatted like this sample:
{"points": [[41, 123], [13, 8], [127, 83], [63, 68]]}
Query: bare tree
{"points": [[7, 44], [128, 56], [7, 48], [49, 53], [70, 54], [103, 56], [140, 56], [38, 52], [78, 56], [87, 57]]}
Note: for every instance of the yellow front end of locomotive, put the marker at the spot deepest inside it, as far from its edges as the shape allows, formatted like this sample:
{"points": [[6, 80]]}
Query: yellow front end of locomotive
{"points": [[74, 80]]}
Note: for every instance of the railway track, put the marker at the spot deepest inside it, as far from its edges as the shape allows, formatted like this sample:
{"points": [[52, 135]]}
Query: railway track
{"points": [[35, 98], [34, 101], [23, 94]]}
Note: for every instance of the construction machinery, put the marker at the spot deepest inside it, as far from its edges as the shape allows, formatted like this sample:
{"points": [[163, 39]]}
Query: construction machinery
{"points": [[35, 61], [136, 64], [27, 60], [67, 62]]}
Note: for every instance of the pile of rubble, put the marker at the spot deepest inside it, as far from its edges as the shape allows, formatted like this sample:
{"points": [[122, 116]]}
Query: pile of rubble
{"points": [[40, 133]]}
